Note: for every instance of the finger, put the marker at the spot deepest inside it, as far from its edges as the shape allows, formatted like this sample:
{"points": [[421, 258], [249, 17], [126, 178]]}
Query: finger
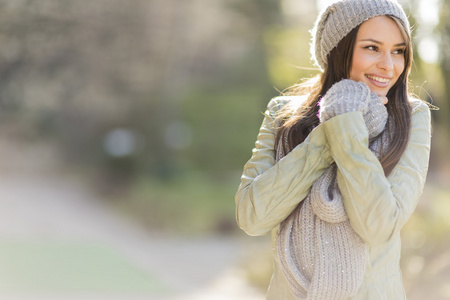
{"points": [[384, 99]]}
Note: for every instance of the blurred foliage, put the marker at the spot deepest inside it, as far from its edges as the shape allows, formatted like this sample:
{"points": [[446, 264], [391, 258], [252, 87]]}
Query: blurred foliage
{"points": [[216, 118], [432, 218], [189, 204], [443, 32], [288, 56], [75, 71]]}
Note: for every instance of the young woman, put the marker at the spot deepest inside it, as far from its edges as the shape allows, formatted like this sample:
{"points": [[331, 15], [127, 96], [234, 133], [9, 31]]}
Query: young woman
{"points": [[339, 165]]}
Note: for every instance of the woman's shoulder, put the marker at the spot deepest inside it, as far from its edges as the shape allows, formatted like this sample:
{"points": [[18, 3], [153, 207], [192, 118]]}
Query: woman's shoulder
{"points": [[418, 105], [420, 113], [276, 104]]}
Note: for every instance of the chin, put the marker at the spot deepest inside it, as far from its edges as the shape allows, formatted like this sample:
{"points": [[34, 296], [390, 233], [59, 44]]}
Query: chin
{"points": [[378, 91]]}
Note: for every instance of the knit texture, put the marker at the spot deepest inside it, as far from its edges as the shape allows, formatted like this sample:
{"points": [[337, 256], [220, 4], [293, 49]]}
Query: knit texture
{"points": [[321, 255], [347, 96], [338, 19]]}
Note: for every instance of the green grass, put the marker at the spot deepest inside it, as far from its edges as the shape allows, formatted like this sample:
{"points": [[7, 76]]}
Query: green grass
{"points": [[73, 267]]}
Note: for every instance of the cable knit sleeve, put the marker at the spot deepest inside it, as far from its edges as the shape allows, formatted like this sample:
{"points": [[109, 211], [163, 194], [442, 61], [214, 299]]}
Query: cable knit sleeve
{"points": [[269, 190], [377, 206]]}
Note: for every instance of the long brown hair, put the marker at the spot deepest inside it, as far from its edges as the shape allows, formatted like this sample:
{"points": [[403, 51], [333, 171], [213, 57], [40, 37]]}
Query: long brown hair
{"points": [[298, 121]]}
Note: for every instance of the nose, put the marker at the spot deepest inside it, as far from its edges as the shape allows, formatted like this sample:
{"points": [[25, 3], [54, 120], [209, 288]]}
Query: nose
{"points": [[386, 63]]}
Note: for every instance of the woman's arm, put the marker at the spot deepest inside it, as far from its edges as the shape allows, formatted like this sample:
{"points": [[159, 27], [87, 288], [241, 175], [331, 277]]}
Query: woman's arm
{"points": [[270, 191], [377, 206]]}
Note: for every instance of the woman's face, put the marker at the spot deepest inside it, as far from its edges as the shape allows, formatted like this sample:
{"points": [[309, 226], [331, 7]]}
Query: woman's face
{"points": [[378, 54]]}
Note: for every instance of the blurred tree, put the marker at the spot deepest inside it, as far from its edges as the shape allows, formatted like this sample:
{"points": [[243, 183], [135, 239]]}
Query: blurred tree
{"points": [[72, 69], [75, 71], [443, 30]]}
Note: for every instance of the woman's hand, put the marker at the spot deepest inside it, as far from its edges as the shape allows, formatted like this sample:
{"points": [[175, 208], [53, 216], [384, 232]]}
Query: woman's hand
{"points": [[348, 96], [343, 97], [376, 115]]}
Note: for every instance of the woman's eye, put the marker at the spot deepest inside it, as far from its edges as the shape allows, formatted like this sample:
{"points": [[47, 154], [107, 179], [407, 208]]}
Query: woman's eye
{"points": [[372, 48], [399, 51]]}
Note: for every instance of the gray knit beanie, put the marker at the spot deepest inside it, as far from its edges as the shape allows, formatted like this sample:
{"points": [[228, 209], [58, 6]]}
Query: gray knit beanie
{"points": [[338, 19]]}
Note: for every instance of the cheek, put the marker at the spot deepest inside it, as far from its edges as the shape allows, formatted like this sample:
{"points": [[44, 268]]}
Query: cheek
{"points": [[354, 69], [359, 65], [399, 66]]}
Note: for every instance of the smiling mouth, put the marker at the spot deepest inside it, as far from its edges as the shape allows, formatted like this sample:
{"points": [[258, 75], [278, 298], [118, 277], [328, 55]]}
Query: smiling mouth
{"points": [[378, 79]]}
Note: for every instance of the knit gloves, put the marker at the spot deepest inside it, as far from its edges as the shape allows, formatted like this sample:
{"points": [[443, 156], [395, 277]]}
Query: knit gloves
{"points": [[349, 96]]}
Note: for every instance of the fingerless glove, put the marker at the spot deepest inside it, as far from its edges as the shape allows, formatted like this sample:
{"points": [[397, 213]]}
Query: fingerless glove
{"points": [[349, 96]]}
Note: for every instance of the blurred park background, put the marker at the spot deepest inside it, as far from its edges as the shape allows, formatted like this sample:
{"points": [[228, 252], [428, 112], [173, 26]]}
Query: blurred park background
{"points": [[124, 127]]}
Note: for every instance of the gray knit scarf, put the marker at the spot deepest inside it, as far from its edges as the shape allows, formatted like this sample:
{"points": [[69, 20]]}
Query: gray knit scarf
{"points": [[321, 256]]}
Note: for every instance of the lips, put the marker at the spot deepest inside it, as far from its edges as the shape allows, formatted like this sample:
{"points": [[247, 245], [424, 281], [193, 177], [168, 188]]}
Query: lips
{"points": [[378, 81]]}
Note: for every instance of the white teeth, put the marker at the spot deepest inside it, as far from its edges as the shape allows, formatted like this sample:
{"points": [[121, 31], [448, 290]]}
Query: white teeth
{"points": [[379, 79]]}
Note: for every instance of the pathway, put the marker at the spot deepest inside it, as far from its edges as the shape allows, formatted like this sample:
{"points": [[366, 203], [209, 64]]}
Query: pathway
{"points": [[59, 241]]}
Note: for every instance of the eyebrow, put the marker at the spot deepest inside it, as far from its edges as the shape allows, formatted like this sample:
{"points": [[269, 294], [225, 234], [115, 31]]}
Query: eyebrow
{"points": [[380, 43]]}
